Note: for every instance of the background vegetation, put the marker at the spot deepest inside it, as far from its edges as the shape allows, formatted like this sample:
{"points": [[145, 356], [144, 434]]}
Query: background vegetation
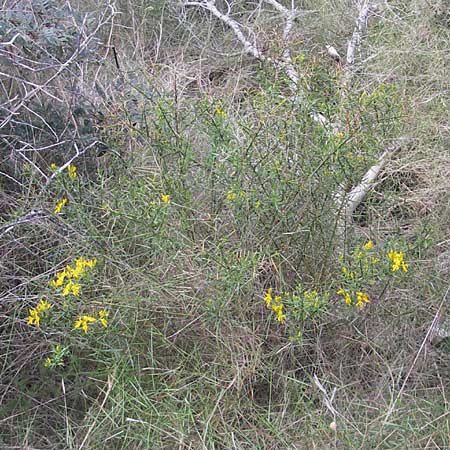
{"points": [[199, 198]]}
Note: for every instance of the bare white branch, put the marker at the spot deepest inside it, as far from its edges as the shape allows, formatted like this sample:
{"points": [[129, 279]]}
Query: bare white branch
{"points": [[28, 217], [249, 48], [327, 398], [347, 203], [361, 25], [357, 194], [11, 41], [70, 161]]}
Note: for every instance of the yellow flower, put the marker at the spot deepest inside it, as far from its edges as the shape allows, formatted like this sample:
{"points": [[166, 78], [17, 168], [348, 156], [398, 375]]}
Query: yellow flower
{"points": [[43, 306], [75, 289], [59, 205], [83, 322], [231, 195], [59, 281], [368, 245], [71, 287], [53, 167], [348, 273], [103, 315], [72, 273], [280, 316], [219, 111], [165, 198], [278, 309], [47, 362], [347, 296], [33, 318], [340, 136], [268, 297], [361, 299], [397, 261], [72, 170], [91, 263]]}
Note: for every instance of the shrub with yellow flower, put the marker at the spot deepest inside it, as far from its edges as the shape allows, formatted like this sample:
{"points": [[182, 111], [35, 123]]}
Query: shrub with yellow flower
{"points": [[363, 269], [35, 314], [276, 304], [65, 277], [397, 261], [83, 322]]}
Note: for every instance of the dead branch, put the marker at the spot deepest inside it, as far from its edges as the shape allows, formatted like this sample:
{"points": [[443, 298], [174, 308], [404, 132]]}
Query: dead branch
{"points": [[249, 48], [358, 31]]}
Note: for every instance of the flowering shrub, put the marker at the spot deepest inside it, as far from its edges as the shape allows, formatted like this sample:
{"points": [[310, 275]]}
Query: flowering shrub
{"points": [[397, 261], [276, 304], [67, 282], [72, 171], [296, 308], [72, 273], [35, 314], [363, 269]]}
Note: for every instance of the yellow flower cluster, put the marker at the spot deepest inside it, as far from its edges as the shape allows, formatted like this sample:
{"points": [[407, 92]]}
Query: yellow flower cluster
{"points": [[346, 294], [59, 206], [84, 321], [397, 261], [72, 171], [365, 269], [361, 297], [35, 314], [70, 273], [276, 304], [362, 262]]}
